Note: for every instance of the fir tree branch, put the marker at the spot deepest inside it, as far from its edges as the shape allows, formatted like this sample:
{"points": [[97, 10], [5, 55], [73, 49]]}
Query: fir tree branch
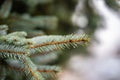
{"points": [[32, 69], [49, 43], [47, 68], [19, 48]]}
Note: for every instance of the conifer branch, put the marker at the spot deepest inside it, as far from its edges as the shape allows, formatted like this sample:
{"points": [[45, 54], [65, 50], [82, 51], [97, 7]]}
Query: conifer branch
{"points": [[17, 47], [50, 43]]}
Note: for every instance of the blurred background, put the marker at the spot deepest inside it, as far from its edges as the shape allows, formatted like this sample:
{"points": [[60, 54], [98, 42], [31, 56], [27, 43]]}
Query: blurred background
{"points": [[100, 19]]}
